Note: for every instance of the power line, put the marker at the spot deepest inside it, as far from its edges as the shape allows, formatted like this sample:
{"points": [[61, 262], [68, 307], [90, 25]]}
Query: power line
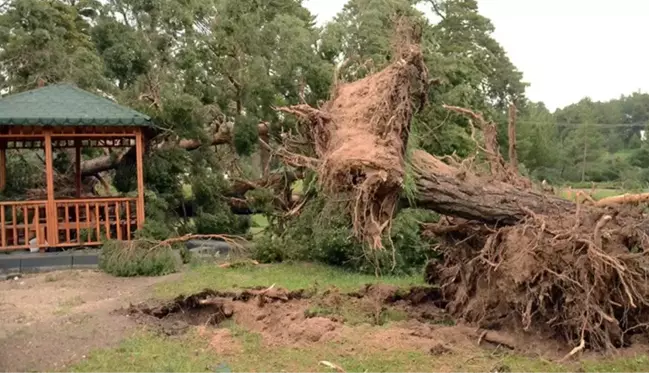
{"points": [[576, 125]]}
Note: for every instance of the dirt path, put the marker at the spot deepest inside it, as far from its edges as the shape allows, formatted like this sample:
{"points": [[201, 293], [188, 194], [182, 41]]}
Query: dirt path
{"points": [[50, 320]]}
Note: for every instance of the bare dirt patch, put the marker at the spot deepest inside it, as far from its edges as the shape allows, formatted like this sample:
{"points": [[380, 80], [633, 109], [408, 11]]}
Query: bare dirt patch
{"points": [[63, 315], [301, 319], [221, 340]]}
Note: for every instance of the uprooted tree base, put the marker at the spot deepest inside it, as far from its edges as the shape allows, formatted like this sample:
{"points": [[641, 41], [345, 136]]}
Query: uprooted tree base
{"points": [[360, 138], [518, 258], [513, 256]]}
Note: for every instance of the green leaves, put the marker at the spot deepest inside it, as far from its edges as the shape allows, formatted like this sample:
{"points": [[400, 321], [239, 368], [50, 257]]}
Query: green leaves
{"points": [[47, 40], [246, 135]]}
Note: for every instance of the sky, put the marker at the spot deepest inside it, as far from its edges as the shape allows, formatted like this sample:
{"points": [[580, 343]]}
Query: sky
{"points": [[566, 49]]}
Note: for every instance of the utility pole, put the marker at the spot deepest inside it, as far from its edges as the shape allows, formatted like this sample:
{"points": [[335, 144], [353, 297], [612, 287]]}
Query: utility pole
{"points": [[583, 163]]}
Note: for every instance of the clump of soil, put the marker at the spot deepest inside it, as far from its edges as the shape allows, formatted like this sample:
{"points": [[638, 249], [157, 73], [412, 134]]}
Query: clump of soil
{"points": [[174, 317], [209, 307]]}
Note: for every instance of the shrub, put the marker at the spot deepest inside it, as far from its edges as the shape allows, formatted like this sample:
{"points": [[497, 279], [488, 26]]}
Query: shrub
{"points": [[221, 222], [322, 233], [154, 230], [412, 250], [137, 258], [269, 249], [185, 254]]}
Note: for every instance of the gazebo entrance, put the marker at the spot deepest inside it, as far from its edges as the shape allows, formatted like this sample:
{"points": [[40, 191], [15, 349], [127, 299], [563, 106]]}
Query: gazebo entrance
{"points": [[65, 117]]}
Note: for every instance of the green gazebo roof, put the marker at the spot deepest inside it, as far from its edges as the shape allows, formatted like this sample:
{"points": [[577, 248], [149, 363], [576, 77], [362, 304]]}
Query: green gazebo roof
{"points": [[66, 105]]}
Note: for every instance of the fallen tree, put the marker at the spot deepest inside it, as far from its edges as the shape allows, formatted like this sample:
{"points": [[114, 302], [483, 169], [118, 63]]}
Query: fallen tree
{"points": [[512, 256], [456, 192], [515, 257]]}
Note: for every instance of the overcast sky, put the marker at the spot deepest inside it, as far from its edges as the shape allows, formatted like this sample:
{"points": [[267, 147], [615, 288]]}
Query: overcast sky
{"points": [[566, 49]]}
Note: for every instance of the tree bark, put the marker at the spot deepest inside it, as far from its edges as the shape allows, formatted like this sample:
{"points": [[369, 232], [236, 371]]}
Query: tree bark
{"points": [[451, 191]]}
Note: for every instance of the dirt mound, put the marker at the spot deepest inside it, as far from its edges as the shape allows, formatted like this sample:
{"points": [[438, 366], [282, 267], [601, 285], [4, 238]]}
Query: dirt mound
{"points": [[209, 307], [361, 134], [376, 317], [294, 318]]}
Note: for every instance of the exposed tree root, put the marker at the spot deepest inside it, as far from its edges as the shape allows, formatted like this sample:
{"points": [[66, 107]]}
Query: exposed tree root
{"points": [[515, 258], [360, 136], [497, 339], [577, 277]]}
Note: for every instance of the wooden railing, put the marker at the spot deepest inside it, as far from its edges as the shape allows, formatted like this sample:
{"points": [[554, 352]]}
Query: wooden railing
{"points": [[79, 222], [92, 221], [22, 221]]}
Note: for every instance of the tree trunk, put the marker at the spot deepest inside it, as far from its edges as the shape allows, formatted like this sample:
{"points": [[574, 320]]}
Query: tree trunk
{"points": [[451, 191]]}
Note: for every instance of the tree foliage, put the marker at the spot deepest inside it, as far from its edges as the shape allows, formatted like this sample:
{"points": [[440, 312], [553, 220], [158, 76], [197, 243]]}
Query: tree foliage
{"points": [[202, 67]]}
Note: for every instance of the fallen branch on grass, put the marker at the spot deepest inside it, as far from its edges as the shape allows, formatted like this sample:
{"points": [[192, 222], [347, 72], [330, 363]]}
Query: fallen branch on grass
{"points": [[625, 199], [331, 365], [235, 242], [238, 264]]}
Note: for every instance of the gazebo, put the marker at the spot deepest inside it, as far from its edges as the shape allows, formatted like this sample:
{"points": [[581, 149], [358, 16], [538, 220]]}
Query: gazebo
{"points": [[62, 116]]}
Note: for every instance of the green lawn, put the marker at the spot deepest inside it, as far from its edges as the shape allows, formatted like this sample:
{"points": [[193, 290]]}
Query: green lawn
{"points": [[597, 193], [148, 352], [259, 223], [291, 276]]}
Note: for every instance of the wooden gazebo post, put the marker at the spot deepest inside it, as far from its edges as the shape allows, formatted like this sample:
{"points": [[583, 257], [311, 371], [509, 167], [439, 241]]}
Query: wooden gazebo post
{"points": [[77, 167], [50, 210], [139, 159], [3, 165]]}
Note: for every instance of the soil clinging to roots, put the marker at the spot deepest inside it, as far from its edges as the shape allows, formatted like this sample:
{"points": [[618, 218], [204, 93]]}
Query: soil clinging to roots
{"points": [[360, 138], [580, 276]]}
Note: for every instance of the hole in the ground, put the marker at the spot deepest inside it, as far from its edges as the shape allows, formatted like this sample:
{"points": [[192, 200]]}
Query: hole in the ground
{"points": [[197, 309]]}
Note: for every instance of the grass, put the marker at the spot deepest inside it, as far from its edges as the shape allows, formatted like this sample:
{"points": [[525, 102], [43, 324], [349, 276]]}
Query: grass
{"points": [[291, 276], [259, 220], [147, 352], [259, 223], [597, 193], [151, 353]]}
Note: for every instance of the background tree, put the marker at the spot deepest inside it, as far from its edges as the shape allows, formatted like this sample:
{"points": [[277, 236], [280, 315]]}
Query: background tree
{"points": [[47, 40], [211, 72]]}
